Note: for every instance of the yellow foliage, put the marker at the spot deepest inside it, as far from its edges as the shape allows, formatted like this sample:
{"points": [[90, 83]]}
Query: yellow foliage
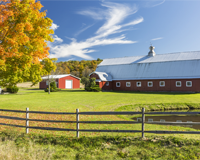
{"points": [[24, 32]]}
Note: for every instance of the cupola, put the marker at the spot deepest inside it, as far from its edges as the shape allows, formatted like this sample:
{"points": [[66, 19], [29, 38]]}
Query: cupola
{"points": [[151, 52]]}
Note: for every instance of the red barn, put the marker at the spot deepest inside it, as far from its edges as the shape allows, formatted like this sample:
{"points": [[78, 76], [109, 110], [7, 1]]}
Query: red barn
{"points": [[64, 81], [152, 72]]}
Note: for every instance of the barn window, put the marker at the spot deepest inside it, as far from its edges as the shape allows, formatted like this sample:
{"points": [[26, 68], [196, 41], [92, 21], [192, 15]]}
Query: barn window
{"points": [[47, 83], [178, 83], [118, 84], [162, 83], [128, 84], [138, 84], [188, 83], [150, 84], [107, 83]]}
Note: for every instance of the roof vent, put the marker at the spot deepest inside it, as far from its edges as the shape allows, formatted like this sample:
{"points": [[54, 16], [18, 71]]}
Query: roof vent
{"points": [[151, 52]]}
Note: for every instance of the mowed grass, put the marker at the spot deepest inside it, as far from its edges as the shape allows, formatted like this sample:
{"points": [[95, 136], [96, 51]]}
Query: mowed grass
{"points": [[69, 100], [41, 144]]}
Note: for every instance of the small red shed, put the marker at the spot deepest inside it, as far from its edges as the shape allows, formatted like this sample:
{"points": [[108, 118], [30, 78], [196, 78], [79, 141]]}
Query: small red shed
{"points": [[64, 81]]}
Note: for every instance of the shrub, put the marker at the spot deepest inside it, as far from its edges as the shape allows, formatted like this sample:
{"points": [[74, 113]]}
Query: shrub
{"points": [[12, 89], [53, 85], [85, 81], [88, 89], [94, 89], [53, 88], [90, 84]]}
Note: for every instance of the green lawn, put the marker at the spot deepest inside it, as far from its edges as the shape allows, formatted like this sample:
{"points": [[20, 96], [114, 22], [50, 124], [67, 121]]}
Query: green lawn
{"points": [[69, 100], [41, 144]]}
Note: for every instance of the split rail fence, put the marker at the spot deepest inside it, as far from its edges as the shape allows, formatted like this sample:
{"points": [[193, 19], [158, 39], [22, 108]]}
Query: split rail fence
{"points": [[77, 113]]}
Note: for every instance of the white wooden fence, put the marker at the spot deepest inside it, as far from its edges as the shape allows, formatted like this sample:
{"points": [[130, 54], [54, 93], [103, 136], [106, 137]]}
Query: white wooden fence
{"points": [[77, 113]]}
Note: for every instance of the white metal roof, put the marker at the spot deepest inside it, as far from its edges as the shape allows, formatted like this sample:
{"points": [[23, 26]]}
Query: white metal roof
{"points": [[166, 66], [103, 76], [181, 56], [59, 76]]}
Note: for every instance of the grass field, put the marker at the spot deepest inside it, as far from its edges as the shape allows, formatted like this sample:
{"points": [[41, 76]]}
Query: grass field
{"points": [[64, 145], [69, 100]]}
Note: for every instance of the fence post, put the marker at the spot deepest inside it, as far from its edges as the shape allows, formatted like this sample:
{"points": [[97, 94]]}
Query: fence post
{"points": [[77, 124], [27, 121], [143, 120]]}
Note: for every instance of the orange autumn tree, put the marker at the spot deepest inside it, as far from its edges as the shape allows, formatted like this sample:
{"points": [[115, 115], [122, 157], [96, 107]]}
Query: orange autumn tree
{"points": [[24, 32]]}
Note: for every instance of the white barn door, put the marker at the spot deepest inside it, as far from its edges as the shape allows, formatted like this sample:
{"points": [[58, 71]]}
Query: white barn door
{"points": [[68, 84]]}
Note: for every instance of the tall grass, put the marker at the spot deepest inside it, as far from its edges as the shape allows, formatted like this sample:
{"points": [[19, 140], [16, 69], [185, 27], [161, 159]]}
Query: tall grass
{"points": [[9, 150], [36, 146]]}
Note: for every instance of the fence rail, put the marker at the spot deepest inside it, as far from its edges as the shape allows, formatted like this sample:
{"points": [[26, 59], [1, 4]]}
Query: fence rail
{"points": [[77, 113]]}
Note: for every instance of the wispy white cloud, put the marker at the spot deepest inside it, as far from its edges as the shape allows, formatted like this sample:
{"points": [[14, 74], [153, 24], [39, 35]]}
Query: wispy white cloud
{"points": [[57, 39], [154, 3], [155, 39], [82, 30], [54, 26], [114, 15], [95, 13]]}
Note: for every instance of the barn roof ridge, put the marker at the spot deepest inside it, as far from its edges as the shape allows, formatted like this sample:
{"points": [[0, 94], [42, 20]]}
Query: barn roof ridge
{"points": [[156, 54], [170, 57], [59, 76], [147, 62]]}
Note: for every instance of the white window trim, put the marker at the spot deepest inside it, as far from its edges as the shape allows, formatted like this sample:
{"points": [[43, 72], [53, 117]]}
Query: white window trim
{"points": [[119, 84], [107, 83], [127, 85], [162, 85], [188, 85], [177, 85], [138, 85], [150, 82]]}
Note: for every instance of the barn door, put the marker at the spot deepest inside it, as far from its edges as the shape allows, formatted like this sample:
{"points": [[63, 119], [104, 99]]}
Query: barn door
{"points": [[68, 84]]}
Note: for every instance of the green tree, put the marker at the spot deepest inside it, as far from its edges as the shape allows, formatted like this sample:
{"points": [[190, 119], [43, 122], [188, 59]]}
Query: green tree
{"points": [[48, 67], [90, 84]]}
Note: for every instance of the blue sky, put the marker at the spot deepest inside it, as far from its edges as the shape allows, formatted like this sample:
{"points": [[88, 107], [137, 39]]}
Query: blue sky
{"points": [[108, 29]]}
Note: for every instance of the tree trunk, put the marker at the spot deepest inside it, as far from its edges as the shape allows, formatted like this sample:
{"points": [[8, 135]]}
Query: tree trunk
{"points": [[49, 83]]}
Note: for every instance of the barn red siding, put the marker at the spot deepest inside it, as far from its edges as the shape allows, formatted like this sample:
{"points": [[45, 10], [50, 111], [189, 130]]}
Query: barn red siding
{"points": [[170, 85], [43, 85], [76, 82], [102, 84], [104, 87]]}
